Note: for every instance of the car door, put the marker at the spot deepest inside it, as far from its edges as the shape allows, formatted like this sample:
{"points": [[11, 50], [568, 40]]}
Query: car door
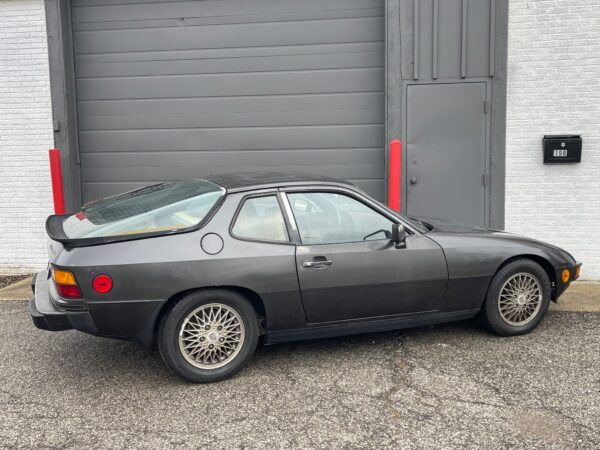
{"points": [[349, 268]]}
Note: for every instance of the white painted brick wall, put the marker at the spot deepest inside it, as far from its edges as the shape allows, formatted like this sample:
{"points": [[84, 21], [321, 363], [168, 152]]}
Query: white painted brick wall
{"points": [[25, 135], [554, 88]]}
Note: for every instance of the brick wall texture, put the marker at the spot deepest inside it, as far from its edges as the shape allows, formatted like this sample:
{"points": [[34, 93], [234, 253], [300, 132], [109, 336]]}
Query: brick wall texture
{"points": [[25, 135], [554, 88]]}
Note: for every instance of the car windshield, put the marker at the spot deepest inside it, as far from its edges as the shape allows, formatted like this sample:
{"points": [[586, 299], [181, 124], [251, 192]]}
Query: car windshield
{"points": [[160, 207]]}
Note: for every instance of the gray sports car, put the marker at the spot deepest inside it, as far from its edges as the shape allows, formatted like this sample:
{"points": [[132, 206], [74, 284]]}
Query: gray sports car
{"points": [[207, 268]]}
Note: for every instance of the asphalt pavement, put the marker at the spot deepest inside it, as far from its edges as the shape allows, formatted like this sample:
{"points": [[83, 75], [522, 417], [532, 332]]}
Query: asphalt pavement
{"points": [[450, 386]]}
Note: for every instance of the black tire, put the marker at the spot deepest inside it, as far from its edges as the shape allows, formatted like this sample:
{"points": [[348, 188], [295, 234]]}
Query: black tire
{"points": [[494, 319], [171, 324]]}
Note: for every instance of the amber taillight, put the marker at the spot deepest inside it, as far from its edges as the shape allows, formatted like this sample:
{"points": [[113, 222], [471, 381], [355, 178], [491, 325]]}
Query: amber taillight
{"points": [[65, 283]]}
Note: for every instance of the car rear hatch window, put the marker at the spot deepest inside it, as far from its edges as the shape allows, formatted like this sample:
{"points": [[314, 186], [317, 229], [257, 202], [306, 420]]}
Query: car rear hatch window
{"points": [[153, 210]]}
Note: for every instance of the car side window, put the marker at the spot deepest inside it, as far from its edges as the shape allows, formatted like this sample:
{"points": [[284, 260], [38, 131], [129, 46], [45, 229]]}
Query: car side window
{"points": [[332, 218], [260, 218]]}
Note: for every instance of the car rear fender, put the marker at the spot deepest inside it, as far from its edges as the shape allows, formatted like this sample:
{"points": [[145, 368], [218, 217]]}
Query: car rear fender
{"points": [[55, 249], [147, 333]]}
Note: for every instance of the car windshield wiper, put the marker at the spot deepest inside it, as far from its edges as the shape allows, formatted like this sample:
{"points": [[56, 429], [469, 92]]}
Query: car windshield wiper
{"points": [[424, 226]]}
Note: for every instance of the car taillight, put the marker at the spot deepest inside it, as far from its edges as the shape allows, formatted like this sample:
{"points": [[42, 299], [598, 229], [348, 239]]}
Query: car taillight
{"points": [[68, 291], [65, 283]]}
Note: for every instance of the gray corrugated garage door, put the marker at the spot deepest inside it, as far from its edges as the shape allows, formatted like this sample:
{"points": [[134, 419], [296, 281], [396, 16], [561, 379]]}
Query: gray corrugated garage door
{"points": [[179, 89]]}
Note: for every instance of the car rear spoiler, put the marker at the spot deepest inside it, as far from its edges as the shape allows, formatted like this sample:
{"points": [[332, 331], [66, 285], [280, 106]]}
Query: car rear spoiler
{"points": [[54, 228], [56, 232]]}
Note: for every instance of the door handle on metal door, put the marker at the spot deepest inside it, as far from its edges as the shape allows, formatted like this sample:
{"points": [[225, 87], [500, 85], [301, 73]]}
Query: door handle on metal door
{"points": [[316, 263]]}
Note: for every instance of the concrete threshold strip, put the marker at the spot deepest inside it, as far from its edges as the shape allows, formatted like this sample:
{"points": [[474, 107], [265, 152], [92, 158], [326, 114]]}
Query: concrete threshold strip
{"points": [[582, 296], [17, 291]]}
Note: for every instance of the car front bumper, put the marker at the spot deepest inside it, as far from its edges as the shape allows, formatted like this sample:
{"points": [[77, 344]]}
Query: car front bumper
{"points": [[46, 316], [561, 286]]}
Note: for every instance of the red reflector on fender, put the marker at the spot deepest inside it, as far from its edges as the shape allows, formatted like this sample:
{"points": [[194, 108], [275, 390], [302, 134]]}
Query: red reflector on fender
{"points": [[102, 284]]}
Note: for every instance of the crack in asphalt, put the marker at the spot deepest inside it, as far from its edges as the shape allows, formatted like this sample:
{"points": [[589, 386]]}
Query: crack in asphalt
{"points": [[405, 364], [401, 370]]}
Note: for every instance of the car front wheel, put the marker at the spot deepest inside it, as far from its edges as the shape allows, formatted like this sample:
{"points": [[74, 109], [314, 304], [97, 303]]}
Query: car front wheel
{"points": [[208, 335], [518, 298]]}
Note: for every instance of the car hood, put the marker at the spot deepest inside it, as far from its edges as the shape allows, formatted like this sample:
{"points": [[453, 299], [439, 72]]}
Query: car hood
{"points": [[446, 227]]}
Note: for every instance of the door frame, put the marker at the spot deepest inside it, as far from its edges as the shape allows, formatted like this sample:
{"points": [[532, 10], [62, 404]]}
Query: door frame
{"points": [[63, 92], [488, 128], [400, 48], [357, 195]]}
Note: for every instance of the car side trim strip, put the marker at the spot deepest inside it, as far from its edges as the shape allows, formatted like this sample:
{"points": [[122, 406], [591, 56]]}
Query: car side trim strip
{"points": [[320, 331]]}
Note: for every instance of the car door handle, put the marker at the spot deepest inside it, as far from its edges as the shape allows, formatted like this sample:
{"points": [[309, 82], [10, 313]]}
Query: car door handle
{"points": [[316, 263]]}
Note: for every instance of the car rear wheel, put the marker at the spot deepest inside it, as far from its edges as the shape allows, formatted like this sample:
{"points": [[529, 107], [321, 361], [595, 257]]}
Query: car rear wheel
{"points": [[518, 298], [208, 335]]}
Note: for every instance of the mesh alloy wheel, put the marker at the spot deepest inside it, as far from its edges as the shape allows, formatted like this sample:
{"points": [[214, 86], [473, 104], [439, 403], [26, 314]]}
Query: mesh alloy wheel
{"points": [[520, 299], [211, 336]]}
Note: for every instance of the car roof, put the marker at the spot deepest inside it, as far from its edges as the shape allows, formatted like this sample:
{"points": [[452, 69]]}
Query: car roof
{"points": [[246, 181]]}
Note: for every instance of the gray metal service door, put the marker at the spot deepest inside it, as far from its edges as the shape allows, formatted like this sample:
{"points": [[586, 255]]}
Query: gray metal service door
{"points": [[446, 151], [171, 90]]}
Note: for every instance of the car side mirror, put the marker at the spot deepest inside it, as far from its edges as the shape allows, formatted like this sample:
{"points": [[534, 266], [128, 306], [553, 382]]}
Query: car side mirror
{"points": [[399, 235]]}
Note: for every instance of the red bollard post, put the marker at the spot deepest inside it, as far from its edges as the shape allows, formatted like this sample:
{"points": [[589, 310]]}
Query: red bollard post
{"points": [[395, 168], [57, 181]]}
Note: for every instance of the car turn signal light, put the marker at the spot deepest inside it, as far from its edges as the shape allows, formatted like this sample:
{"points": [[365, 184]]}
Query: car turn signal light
{"points": [[64, 277], [566, 275], [65, 282]]}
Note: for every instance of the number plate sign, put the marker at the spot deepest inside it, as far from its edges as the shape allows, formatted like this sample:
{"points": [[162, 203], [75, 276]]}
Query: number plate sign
{"points": [[562, 149]]}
